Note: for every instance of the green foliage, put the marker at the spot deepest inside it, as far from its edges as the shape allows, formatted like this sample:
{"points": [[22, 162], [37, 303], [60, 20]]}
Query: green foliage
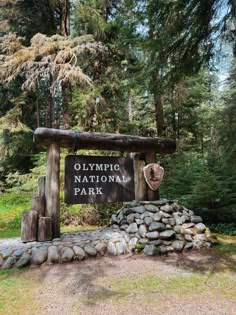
{"points": [[223, 228]]}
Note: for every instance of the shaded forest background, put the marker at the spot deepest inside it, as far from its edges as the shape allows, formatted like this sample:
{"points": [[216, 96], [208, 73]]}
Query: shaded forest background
{"points": [[148, 68]]}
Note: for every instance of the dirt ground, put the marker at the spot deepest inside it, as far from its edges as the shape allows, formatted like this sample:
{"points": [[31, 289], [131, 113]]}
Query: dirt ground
{"points": [[190, 283]]}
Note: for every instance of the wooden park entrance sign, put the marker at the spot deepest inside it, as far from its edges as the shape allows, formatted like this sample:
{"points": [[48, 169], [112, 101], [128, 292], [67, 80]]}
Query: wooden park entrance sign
{"points": [[89, 179]]}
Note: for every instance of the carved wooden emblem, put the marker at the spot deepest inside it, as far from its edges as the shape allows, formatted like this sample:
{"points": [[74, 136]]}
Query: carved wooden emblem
{"points": [[153, 174]]}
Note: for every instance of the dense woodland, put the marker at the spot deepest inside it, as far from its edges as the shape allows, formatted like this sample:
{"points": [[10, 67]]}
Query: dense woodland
{"points": [[139, 67]]}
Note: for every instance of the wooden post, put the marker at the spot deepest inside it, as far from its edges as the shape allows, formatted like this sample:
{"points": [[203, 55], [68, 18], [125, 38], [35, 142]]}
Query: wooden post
{"points": [[41, 185], [52, 187], [38, 204], [44, 229], [139, 181], [150, 157], [29, 224]]}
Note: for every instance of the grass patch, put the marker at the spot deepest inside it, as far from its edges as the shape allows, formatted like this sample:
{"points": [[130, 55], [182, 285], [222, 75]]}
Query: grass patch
{"points": [[227, 245], [7, 233], [16, 293], [72, 228]]}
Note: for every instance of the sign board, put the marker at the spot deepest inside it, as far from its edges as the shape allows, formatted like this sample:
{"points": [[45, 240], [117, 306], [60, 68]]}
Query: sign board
{"points": [[97, 179]]}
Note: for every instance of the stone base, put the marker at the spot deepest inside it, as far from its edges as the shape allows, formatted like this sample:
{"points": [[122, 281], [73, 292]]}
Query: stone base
{"points": [[162, 226]]}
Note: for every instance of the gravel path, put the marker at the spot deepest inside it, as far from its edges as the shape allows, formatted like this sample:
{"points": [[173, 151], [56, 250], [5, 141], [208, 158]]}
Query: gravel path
{"points": [[109, 285]]}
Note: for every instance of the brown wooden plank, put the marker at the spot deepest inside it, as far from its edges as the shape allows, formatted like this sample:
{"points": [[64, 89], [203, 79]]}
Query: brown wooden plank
{"points": [[41, 185], [52, 190], [29, 224], [38, 204], [140, 184], [103, 141], [44, 229]]}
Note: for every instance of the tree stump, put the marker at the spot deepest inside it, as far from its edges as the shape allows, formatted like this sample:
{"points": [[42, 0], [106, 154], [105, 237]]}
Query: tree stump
{"points": [[29, 224]]}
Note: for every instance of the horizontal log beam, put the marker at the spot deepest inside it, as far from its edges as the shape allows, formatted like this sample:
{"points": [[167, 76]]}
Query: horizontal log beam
{"points": [[103, 141]]}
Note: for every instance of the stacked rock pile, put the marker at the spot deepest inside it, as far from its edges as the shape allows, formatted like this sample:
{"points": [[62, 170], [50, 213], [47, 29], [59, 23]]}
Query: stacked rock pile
{"points": [[162, 226]]}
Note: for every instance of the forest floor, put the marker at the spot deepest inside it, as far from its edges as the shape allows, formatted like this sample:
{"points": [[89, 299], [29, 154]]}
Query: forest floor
{"points": [[196, 282]]}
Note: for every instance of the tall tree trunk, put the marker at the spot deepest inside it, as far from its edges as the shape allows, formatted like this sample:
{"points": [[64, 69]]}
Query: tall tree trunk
{"points": [[159, 114], [65, 17]]}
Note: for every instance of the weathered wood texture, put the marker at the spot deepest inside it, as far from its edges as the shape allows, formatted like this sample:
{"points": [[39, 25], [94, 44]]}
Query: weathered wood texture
{"points": [[52, 187], [139, 181], [44, 229], [29, 224], [38, 204], [103, 141], [41, 185], [152, 195]]}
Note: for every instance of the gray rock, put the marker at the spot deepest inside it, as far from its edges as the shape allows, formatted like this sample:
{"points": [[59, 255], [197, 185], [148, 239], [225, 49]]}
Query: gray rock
{"points": [[17, 252], [165, 220], [101, 248], [114, 219], [176, 206], [122, 248], [200, 228], [163, 249], [186, 218], [133, 243], [187, 225], [151, 208], [167, 208], [188, 238], [200, 237], [157, 216], [187, 231], [9, 262], [53, 255], [188, 246], [124, 227], [131, 204], [23, 261], [197, 244], [167, 235], [155, 242], [152, 235], [178, 219], [172, 221], [39, 255], [178, 245], [142, 230], [196, 219], [120, 216], [166, 215], [148, 220], [139, 221], [144, 215], [132, 228], [166, 243], [177, 229], [156, 226], [139, 209], [127, 211], [179, 237], [150, 250], [6, 253], [90, 250], [130, 218], [111, 249], [67, 254], [168, 227]]}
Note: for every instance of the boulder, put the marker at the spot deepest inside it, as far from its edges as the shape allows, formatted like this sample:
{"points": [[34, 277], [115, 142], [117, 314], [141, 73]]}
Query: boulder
{"points": [[150, 250], [167, 235]]}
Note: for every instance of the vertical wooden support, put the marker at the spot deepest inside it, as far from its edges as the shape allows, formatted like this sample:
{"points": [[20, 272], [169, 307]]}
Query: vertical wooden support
{"points": [[29, 224], [139, 181], [52, 187], [38, 204], [150, 157], [41, 185], [44, 229]]}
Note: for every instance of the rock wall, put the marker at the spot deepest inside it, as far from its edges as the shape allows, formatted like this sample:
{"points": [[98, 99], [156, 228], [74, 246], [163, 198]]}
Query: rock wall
{"points": [[162, 226], [152, 226]]}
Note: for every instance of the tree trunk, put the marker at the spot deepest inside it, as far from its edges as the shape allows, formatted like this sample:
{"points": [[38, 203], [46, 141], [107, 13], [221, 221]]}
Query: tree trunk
{"points": [[159, 114], [66, 100], [65, 17]]}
